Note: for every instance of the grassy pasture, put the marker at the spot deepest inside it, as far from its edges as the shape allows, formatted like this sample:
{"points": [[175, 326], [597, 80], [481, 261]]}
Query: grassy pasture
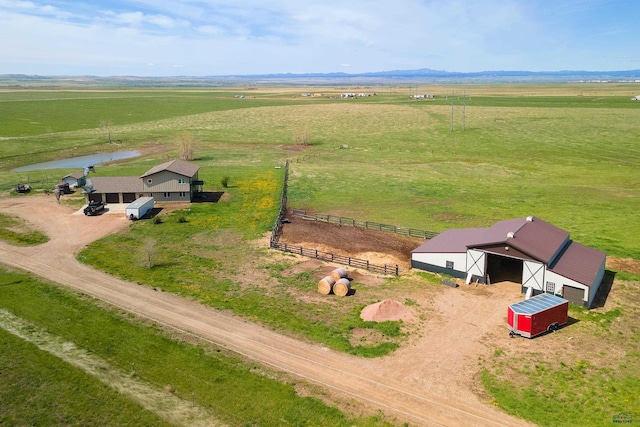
{"points": [[235, 392], [526, 150]]}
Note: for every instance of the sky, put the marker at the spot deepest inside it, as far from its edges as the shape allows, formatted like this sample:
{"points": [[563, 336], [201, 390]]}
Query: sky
{"points": [[248, 37]]}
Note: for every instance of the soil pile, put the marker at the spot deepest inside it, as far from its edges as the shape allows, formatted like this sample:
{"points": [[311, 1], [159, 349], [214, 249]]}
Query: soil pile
{"points": [[386, 310]]}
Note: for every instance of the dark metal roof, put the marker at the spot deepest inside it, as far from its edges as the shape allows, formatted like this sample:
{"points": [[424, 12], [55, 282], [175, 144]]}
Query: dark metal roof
{"points": [[454, 240], [116, 184], [531, 235], [176, 166], [579, 262], [537, 304]]}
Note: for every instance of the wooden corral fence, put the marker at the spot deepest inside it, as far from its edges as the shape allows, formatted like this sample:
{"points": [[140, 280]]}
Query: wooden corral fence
{"points": [[276, 232], [339, 259], [412, 232]]}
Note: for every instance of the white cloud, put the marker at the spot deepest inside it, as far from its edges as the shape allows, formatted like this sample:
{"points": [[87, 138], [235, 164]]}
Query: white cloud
{"points": [[228, 37]]}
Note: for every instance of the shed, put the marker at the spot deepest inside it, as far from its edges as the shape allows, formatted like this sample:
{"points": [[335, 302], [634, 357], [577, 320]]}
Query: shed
{"points": [[538, 314], [75, 179]]}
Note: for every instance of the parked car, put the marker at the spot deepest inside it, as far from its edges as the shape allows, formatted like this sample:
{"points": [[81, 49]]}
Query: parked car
{"points": [[94, 208]]}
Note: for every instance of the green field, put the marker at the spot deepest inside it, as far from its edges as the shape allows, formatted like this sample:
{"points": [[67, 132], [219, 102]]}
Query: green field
{"points": [[570, 160], [566, 153], [37, 388]]}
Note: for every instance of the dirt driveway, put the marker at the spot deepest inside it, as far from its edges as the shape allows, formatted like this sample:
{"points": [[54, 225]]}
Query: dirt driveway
{"points": [[431, 381]]}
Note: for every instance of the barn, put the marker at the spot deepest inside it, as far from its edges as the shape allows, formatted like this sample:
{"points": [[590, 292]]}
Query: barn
{"points": [[528, 251]]}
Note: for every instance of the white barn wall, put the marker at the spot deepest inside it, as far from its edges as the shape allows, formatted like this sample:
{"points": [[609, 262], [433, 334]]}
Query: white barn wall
{"points": [[560, 281], [440, 260]]}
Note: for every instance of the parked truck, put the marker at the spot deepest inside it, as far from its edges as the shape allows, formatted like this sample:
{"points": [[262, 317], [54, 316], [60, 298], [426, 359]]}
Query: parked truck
{"points": [[139, 208], [94, 208]]}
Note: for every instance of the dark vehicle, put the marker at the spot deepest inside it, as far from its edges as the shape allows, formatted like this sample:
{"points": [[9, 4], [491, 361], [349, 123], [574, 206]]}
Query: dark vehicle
{"points": [[23, 188], [94, 208], [63, 188]]}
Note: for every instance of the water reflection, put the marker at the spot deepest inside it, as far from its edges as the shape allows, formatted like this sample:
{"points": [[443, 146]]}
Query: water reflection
{"points": [[79, 162]]}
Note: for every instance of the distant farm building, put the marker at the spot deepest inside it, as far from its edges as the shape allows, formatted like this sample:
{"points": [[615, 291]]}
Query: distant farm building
{"points": [[174, 181], [424, 96], [528, 251]]}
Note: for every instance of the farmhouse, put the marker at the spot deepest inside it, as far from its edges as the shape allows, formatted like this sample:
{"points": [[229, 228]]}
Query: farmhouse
{"points": [[174, 181], [528, 251]]}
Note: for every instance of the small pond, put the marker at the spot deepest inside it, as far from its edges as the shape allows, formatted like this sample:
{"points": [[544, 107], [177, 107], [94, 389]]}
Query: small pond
{"points": [[79, 162]]}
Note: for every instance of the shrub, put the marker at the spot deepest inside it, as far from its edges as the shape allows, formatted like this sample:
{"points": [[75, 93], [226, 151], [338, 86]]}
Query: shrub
{"points": [[225, 181], [157, 220]]}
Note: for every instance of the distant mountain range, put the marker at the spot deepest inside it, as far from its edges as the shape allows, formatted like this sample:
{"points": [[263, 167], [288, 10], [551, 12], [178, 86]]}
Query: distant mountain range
{"points": [[424, 75]]}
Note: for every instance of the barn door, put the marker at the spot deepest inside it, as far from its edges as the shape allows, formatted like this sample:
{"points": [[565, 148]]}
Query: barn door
{"points": [[533, 275], [476, 263]]}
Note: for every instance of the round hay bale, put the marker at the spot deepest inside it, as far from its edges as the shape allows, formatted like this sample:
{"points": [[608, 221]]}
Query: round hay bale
{"points": [[325, 285], [338, 273], [342, 287]]}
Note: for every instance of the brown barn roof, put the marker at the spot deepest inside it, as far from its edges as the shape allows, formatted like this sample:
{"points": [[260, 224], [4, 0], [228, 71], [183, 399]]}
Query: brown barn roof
{"points": [[579, 262], [176, 166], [531, 235], [453, 240]]}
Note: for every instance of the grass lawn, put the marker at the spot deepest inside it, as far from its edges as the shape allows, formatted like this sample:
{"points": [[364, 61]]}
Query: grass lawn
{"points": [[37, 388]]}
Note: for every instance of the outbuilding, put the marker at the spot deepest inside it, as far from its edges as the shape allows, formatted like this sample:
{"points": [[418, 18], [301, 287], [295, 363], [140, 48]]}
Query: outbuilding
{"points": [[528, 251]]}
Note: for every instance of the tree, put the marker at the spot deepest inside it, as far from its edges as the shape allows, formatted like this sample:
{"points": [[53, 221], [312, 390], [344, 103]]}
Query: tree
{"points": [[185, 145], [148, 253]]}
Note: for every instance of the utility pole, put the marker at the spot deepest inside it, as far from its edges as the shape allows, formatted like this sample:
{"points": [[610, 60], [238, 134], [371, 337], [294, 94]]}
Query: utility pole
{"points": [[464, 107], [451, 121]]}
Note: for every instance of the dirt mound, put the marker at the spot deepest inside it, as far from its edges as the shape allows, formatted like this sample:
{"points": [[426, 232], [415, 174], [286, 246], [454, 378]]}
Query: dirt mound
{"points": [[386, 310]]}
